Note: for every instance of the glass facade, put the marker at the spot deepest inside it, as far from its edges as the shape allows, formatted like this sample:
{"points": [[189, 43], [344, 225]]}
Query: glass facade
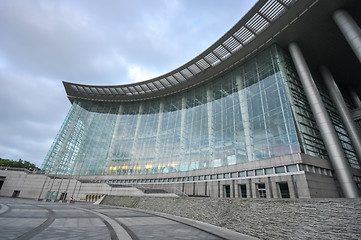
{"points": [[247, 114]]}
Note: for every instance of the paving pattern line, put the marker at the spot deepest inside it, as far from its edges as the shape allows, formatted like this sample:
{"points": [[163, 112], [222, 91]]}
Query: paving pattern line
{"points": [[113, 235], [121, 233], [204, 227], [41, 227], [129, 231], [4, 208]]}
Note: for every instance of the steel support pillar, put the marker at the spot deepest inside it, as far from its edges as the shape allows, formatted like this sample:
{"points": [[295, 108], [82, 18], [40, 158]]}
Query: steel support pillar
{"points": [[183, 126], [328, 133], [211, 139], [135, 160], [158, 152], [350, 30], [351, 128]]}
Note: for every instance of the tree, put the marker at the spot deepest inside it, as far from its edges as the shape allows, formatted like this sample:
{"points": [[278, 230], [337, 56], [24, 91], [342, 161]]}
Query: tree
{"points": [[18, 164]]}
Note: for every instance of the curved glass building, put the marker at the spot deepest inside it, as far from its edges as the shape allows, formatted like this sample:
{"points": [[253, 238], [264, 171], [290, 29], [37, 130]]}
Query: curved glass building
{"points": [[239, 120], [244, 115]]}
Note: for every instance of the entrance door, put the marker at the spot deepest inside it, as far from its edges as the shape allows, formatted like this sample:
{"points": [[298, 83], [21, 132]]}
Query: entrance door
{"points": [[261, 190]]}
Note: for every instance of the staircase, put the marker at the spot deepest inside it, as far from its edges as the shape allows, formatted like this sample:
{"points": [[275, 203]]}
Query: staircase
{"points": [[150, 190]]}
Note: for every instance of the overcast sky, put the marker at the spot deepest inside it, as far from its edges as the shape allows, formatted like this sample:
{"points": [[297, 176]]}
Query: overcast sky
{"points": [[45, 42]]}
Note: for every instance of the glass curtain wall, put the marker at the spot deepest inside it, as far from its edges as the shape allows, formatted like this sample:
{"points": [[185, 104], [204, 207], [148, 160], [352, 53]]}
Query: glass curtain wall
{"points": [[244, 115]]}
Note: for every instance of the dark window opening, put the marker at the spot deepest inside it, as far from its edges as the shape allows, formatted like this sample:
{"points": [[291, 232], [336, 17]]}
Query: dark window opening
{"points": [[2, 180], [16, 194], [283, 190], [63, 196], [226, 191], [242, 191]]}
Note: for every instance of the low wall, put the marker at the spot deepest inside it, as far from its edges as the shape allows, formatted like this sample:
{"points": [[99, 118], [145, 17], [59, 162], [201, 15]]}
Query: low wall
{"points": [[262, 218]]}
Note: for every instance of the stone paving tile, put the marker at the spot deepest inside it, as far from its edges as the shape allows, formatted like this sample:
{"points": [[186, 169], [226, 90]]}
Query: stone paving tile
{"points": [[10, 226], [122, 213], [140, 221], [75, 228], [77, 222], [74, 221], [16, 205], [26, 213], [71, 213], [61, 233], [162, 229], [170, 231]]}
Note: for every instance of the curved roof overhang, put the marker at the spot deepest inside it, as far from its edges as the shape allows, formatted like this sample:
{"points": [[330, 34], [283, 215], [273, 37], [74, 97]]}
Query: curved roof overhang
{"points": [[268, 21]]}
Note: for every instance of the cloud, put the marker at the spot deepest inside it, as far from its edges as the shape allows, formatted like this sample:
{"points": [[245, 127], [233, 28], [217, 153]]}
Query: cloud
{"points": [[115, 42], [137, 74], [32, 111]]}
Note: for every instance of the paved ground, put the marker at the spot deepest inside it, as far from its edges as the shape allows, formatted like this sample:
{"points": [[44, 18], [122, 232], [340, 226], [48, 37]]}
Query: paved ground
{"points": [[29, 219]]}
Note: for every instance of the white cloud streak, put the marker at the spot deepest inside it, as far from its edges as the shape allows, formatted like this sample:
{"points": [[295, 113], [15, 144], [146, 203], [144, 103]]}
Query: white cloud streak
{"points": [[43, 43]]}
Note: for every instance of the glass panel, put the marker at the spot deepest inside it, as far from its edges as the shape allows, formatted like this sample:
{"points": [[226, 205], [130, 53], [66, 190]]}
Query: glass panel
{"points": [[269, 171], [292, 168], [259, 172], [280, 169]]}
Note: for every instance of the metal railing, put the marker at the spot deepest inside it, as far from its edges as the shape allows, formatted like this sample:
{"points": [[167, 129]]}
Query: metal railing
{"points": [[144, 189], [22, 170]]}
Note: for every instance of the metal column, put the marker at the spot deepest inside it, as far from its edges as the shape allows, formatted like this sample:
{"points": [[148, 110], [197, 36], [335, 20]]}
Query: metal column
{"points": [[351, 128], [350, 30], [211, 139], [158, 152], [135, 157], [328, 133], [183, 126]]}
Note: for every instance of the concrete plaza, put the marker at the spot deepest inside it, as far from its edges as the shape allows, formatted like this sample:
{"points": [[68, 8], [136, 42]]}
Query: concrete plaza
{"points": [[29, 219]]}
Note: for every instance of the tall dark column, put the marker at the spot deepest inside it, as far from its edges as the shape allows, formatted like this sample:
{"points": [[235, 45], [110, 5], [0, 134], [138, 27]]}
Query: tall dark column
{"points": [[327, 130], [351, 128], [350, 30]]}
